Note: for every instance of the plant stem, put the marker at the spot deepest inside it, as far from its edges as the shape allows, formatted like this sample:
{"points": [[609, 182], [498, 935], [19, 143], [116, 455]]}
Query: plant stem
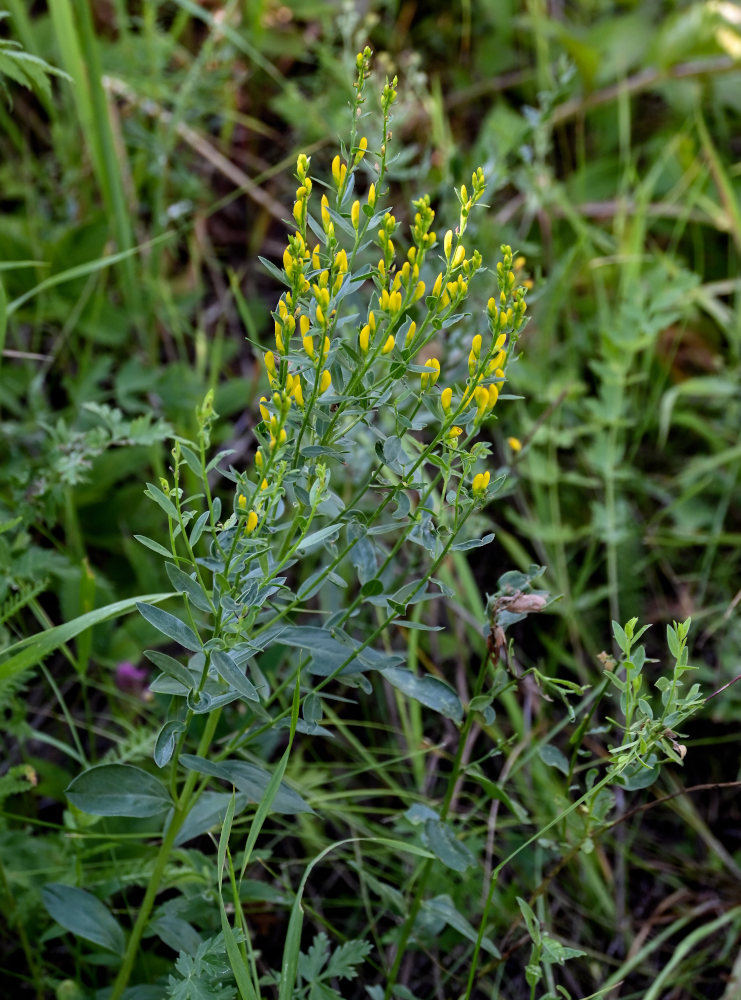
{"points": [[147, 904]]}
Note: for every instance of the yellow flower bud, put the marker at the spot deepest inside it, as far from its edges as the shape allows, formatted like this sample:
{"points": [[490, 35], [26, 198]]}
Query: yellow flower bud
{"points": [[320, 317], [458, 256], [325, 349], [339, 169], [481, 398], [270, 364], [242, 502], [364, 339], [340, 261], [410, 334], [372, 196], [476, 345], [438, 285], [315, 262], [259, 460], [303, 324], [446, 398], [362, 146], [419, 291], [308, 343], [493, 395], [389, 345], [448, 243], [372, 321], [264, 484], [515, 444], [326, 218], [298, 393], [324, 382], [251, 523], [355, 214], [464, 194]]}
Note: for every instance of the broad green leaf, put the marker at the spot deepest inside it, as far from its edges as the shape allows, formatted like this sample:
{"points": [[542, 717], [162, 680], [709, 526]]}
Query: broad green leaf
{"points": [[187, 585], [154, 546], [446, 846], [34, 649], [172, 667], [84, 915], [208, 812], [444, 908], [472, 543], [230, 672], [164, 746], [251, 780], [317, 537], [156, 494], [553, 757], [427, 690], [170, 626], [118, 790]]}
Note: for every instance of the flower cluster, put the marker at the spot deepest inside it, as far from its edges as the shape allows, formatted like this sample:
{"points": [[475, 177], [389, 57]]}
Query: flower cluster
{"points": [[320, 378]]}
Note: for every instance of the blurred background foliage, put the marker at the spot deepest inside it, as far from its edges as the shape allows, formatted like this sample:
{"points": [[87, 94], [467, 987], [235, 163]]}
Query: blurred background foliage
{"points": [[136, 195]]}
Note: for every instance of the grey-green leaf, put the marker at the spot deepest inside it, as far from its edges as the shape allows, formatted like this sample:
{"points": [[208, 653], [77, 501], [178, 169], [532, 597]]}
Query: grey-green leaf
{"points": [[118, 790], [430, 691], [187, 585], [84, 915], [164, 746], [170, 626], [446, 846], [172, 667], [251, 780], [554, 758], [230, 672]]}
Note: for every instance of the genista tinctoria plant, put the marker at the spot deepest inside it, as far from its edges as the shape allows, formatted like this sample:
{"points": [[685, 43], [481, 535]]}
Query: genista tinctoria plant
{"points": [[296, 591]]}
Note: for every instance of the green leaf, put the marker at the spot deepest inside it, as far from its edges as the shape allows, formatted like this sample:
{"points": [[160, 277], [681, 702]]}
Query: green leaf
{"points": [[444, 908], [170, 626], [472, 543], [187, 585], [251, 780], [230, 672], [34, 649], [317, 537], [164, 746], [621, 638], [172, 667], [446, 846], [553, 757], [154, 546], [208, 812], [156, 494], [427, 690], [84, 915], [118, 790]]}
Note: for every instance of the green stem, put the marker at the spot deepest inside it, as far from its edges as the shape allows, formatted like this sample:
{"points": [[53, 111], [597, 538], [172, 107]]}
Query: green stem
{"points": [[147, 904]]}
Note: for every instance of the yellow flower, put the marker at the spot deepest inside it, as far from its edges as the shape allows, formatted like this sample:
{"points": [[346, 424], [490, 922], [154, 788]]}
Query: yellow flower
{"points": [[428, 379], [324, 382], [364, 339], [480, 483], [446, 398], [389, 345], [251, 523]]}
